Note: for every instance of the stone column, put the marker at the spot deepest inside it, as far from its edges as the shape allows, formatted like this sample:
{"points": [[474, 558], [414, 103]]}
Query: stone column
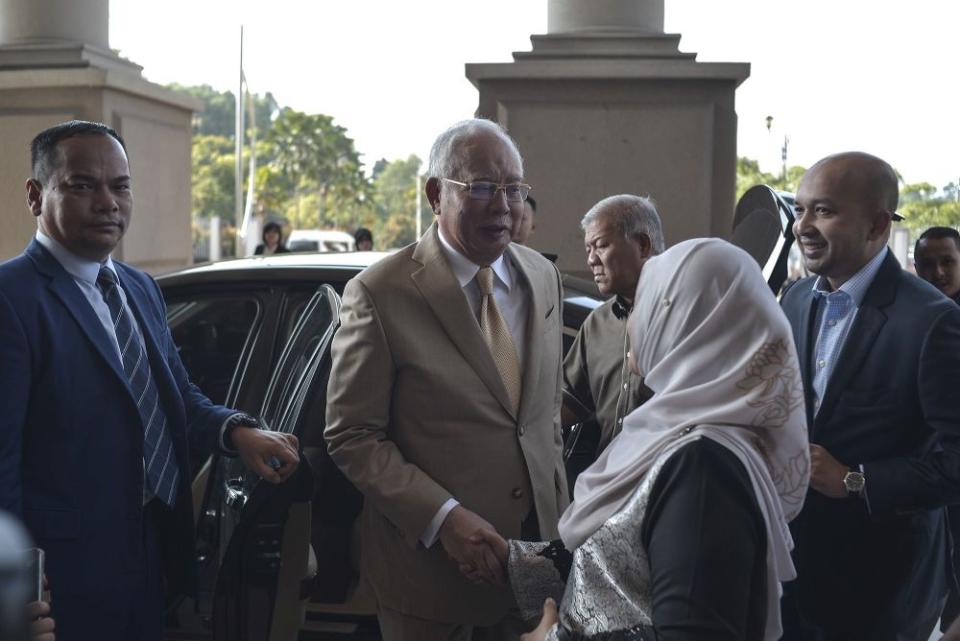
{"points": [[572, 16], [55, 21], [56, 65], [606, 103]]}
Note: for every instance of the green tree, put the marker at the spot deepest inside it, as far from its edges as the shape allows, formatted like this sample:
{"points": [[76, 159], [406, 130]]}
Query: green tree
{"points": [[749, 175], [395, 201], [316, 161], [923, 206], [212, 181], [218, 117]]}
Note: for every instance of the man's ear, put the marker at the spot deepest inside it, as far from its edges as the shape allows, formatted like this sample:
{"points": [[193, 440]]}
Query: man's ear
{"points": [[643, 242], [881, 224], [432, 189], [34, 196]]}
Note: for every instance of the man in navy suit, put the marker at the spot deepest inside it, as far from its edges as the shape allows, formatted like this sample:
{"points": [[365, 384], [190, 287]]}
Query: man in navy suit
{"points": [[880, 355], [97, 413]]}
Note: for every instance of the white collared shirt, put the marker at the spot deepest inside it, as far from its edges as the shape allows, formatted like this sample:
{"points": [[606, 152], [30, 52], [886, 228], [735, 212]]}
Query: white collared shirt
{"points": [[507, 292]]}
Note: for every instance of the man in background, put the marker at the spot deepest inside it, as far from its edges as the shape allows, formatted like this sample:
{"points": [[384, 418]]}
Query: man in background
{"points": [[527, 223], [620, 234], [936, 256]]}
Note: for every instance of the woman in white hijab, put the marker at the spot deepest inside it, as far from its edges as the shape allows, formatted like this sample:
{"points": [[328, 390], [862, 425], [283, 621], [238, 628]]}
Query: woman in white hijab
{"points": [[679, 529]]}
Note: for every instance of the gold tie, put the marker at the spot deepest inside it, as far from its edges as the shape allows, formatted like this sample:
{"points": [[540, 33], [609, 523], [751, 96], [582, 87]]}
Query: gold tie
{"points": [[499, 340]]}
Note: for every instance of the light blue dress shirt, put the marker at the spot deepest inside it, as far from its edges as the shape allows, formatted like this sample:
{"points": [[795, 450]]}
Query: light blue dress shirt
{"points": [[836, 311]]}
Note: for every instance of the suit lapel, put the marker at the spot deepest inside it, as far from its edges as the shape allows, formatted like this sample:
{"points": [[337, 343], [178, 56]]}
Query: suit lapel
{"points": [[805, 343], [866, 326], [536, 312], [442, 292], [63, 286]]}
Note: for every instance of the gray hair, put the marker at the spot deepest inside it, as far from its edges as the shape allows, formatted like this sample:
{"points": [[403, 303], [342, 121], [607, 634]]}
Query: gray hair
{"points": [[445, 159], [632, 215]]}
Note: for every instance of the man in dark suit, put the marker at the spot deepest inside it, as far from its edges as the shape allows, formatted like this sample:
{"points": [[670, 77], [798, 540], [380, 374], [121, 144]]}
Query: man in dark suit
{"points": [[96, 410], [880, 355]]}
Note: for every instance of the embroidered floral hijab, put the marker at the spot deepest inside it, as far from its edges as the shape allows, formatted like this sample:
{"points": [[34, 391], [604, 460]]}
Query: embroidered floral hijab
{"points": [[712, 343]]}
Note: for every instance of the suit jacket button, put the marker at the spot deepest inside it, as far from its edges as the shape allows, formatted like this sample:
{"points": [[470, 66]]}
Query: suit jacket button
{"points": [[517, 493], [521, 430]]}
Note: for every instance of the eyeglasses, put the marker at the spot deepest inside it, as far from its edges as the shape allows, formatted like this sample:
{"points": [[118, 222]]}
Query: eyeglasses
{"points": [[484, 190]]}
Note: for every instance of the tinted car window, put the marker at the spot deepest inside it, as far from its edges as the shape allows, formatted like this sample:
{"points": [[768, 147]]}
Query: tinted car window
{"points": [[210, 332]]}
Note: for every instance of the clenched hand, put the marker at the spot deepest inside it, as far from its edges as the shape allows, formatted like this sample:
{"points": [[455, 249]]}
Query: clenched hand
{"points": [[261, 451]]}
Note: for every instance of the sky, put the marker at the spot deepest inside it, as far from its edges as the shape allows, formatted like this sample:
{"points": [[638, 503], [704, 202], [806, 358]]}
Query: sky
{"points": [[872, 75]]}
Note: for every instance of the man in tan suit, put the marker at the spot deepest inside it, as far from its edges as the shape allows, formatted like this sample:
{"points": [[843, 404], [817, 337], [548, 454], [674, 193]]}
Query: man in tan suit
{"points": [[444, 399]]}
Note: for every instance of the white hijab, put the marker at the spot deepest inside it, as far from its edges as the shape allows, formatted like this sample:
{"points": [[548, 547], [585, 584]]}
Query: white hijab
{"points": [[718, 353]]}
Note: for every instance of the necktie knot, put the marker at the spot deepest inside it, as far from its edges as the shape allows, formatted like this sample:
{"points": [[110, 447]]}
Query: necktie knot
{"points": [[106, 280], [485, 280]]}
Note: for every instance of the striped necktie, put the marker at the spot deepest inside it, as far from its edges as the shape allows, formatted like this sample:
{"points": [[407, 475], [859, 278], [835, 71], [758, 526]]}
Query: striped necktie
{"points": [[159, 462], [498, 337]]}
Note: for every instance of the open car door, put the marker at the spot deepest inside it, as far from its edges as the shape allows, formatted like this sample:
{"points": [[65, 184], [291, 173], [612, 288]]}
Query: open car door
{"points": [[763, 227], [264, 529]]}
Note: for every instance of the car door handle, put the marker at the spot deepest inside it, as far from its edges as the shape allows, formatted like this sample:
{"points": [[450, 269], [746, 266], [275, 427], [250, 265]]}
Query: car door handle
{"points": [[234, 494]]}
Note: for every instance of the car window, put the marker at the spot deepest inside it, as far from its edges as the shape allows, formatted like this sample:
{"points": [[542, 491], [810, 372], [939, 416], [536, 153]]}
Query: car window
{"points": [[303, 246], [314, 325], [296, 301], [210, 333]]}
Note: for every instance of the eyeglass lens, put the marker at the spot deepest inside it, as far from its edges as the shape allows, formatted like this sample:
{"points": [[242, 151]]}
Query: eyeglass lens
{"points": [[486, 191]]}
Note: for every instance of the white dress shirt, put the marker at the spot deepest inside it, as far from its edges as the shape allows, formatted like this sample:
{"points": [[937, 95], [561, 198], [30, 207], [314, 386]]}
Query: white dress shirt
{"points": [[514, 307]]}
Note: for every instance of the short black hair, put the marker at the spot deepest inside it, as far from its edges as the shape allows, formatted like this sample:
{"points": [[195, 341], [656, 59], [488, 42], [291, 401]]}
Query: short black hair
{"points": [[272, 226], [43, 147], [533, 202], [937, 233], [362, 233]]}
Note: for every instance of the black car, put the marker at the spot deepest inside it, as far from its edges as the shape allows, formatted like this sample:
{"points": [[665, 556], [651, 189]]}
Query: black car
{"points": [[278, 561]]}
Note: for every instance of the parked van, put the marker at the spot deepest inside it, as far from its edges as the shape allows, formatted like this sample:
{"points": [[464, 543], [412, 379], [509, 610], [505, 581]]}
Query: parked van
{"points": [[315, 240]]}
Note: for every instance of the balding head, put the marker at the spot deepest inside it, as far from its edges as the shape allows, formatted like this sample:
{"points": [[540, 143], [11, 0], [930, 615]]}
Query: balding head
{"points": [[872, 178]]}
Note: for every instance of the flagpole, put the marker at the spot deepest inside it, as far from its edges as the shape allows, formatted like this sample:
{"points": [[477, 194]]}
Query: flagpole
{"points": [[238, 153]]}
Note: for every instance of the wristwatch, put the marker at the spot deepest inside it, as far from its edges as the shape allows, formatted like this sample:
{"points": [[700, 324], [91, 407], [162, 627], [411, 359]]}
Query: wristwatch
{"points": [[855, 482], [235, 421]]}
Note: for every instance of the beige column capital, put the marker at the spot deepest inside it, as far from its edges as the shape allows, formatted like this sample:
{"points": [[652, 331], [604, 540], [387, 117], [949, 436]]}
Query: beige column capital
{"points": [[55, 21], [581, 16]]}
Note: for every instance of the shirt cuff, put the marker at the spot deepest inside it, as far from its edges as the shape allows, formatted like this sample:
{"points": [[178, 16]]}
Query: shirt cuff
{"points": [[432, 533]]}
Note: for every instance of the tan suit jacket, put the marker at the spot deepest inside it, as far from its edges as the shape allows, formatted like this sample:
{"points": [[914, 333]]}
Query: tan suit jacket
{"points": [[417, 413]]}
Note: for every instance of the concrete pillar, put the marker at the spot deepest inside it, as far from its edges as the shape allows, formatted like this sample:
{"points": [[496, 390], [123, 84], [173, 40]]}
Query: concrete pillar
{"points": [[586, 16], [56, 65], [40, 21], [606, 103]]}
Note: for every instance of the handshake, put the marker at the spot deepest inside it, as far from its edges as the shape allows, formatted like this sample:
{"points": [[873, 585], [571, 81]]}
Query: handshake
{"points": [[474, 545]]}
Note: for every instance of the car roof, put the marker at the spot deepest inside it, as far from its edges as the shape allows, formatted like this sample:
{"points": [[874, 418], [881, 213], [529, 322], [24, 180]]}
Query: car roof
{"points": [[294, 265]]}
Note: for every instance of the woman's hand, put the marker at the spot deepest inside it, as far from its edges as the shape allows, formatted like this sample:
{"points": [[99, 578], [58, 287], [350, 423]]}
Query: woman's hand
{"points": [[548, 620]]}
